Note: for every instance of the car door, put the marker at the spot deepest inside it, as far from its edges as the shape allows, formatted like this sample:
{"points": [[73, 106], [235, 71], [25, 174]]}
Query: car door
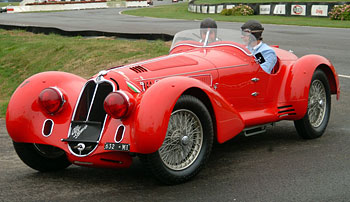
{"points": [[236, 83], [267, 87]]}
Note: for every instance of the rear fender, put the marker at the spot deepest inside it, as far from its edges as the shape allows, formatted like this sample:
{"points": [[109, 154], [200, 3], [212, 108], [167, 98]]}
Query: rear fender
{"points": [[156, 106], [25, 117], [299, 80]]}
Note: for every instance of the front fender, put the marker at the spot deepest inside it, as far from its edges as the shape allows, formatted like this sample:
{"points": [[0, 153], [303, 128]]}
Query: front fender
{"points": [[25, 117], [156, 106], [299, 80]]}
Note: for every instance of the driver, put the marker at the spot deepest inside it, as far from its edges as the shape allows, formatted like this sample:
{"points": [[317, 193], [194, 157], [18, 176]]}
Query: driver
{"points": [[263, 53], [208, 25]]}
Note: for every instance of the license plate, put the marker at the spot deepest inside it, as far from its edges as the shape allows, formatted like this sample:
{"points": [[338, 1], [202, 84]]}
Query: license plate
{"points": [[117, 146]]}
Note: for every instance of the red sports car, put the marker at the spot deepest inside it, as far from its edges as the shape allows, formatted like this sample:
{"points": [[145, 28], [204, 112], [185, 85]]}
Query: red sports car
{"points": [[169, 110]]}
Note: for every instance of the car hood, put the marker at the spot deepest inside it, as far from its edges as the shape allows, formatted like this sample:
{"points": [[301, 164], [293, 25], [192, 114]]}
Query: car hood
{"points": [[158, 68]]}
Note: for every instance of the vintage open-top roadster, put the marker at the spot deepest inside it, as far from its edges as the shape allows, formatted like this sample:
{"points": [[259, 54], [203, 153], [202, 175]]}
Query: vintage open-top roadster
{"points": [[167, 110]]}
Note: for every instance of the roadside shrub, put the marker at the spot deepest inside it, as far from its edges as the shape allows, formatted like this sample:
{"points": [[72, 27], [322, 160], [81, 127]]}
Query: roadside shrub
{"points": [[241, 10], [226, 12], [340, 12]]}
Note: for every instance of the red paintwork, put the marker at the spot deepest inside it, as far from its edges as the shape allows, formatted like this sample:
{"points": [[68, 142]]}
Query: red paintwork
{"points": [[223, 74]]}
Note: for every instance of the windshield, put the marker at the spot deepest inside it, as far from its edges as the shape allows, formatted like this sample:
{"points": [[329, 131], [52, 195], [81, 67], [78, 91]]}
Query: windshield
{"points": [[215, 37]]}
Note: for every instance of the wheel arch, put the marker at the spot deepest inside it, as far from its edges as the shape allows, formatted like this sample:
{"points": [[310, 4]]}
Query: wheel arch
{"points": [[299, 79], [25, 117], [203, 97], [227, 122], [332, 78], [314, 127], [152, 115]]}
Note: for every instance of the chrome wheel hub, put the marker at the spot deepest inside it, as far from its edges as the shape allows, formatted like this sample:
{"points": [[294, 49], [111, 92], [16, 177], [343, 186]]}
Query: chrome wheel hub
{"points": [[317, 103], [183, 141]]}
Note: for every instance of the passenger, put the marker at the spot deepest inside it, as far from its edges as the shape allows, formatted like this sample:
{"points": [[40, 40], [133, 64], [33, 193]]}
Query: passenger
{"points": [[263, 53], [208, 26]]}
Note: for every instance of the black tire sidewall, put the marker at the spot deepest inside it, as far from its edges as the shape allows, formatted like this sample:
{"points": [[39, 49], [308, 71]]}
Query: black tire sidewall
{"points": [[169, 176], [304, 128], [32, 158], [197, 107]]}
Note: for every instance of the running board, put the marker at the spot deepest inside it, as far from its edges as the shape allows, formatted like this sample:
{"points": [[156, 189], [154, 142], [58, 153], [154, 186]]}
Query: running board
{"points": [[256, 130]]}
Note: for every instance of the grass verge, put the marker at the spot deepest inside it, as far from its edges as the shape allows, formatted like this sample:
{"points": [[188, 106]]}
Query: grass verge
{"points": [[23, 54], [179, 11], [3, 4], [260, 1]]}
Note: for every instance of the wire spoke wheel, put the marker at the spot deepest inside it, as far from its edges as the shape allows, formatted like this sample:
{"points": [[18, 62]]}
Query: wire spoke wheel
{"points": [[183, 140], [315, 121], [187, 143], [317, 103]]}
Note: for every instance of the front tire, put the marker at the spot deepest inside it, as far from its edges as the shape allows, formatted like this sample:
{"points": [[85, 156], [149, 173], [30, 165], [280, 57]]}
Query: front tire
{"points": [[187, 144], [315, 121], [41, 157]]}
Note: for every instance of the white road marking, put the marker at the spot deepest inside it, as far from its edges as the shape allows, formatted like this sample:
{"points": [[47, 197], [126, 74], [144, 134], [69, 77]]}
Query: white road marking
{"points": [[344, 76]]}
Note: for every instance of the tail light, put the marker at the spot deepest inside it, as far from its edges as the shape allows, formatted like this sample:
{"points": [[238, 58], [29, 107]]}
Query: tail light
{"points": [[51, 99], [119, 104]]}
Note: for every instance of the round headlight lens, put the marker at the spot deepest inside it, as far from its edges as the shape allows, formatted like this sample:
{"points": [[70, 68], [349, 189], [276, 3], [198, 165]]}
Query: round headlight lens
{"points": [[51, 100], [116, 105]]}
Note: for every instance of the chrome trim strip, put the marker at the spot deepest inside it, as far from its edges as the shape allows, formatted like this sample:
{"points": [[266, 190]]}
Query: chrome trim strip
{"points": [[206, 38], [55, 88], [282, 115], [42, 129], [92, 101], [82, 163], [175, 54], [126, 97], [199, 71], [99, 139], [75, 109], [76, 106], [152, 60], [116, 132], [145, 62], [262, 127], [59, 92], [77, 103], [255, 94], [212, 46], [255, 79]]}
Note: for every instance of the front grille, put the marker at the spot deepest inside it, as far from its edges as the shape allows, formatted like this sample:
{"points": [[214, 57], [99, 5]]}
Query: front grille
{"points": [[89, 117], [90, 107]]}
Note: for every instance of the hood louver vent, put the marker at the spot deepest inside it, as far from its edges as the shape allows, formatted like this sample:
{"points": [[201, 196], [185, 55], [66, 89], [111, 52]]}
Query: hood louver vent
{"points": [[138, 69], [204, 78]]}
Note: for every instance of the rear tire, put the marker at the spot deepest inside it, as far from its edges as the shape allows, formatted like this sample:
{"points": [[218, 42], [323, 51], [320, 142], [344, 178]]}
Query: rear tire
{"points": [[41, 157], [187, 144], [315, 121]]}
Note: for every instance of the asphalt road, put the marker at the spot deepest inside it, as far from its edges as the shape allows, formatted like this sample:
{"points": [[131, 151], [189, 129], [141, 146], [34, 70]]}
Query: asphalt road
{"points": [[275, 166]]}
